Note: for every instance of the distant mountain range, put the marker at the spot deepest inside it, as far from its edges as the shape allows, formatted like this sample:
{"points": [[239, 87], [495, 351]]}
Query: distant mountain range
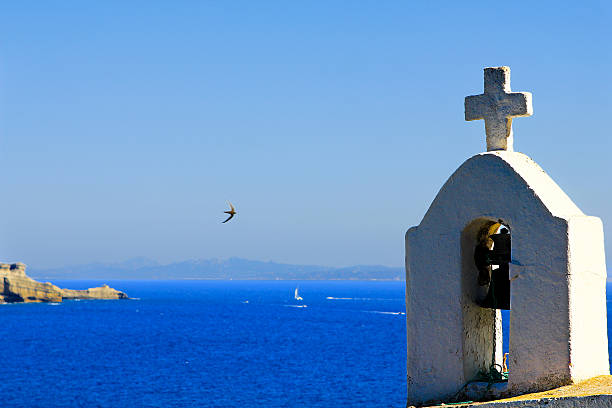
{"points": [[232, 268]]}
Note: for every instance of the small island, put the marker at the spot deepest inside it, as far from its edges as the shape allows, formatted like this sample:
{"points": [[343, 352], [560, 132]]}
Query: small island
{"points": [[17, 287]]}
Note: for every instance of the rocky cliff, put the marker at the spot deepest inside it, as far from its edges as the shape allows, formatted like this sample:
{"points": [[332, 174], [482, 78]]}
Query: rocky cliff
{"points": [[103, 292], [16, 286]]}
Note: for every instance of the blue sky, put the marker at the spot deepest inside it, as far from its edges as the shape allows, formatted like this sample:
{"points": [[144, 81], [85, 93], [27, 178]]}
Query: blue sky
{"points": [[125, 126]]}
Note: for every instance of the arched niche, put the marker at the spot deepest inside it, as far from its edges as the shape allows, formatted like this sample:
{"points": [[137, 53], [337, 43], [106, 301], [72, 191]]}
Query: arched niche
{"points": [[482, 338]]}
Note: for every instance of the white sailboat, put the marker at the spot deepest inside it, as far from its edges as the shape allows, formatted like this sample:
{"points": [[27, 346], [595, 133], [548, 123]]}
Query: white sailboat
{"points": [[297, 295]]}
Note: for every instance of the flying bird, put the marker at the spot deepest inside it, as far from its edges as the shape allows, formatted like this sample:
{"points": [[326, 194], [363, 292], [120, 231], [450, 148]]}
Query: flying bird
{"points": [[231, 213]]}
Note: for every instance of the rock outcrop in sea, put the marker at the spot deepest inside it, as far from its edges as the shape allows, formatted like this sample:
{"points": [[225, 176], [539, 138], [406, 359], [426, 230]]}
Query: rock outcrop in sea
{"points": [[16, 286]]}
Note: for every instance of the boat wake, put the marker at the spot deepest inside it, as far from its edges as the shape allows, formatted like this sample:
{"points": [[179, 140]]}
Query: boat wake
{"points": [[300, 306], [351, 298], [389, 313]]}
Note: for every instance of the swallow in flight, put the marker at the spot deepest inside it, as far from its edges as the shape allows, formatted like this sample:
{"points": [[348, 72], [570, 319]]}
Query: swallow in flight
{"points": [[231, 213]]}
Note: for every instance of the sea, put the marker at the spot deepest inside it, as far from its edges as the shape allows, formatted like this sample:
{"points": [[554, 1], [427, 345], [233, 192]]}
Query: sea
{"points": [[210, 344]]}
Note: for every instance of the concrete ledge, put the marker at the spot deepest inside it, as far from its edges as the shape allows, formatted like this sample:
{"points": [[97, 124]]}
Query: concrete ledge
{"points": [[592, 401], [595, 392]]}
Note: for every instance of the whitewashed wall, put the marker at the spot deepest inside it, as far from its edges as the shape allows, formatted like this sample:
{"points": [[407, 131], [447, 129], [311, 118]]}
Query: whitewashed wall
{"points": [[558, 317]]}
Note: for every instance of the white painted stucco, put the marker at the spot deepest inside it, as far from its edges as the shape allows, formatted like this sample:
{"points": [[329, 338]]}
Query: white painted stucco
{"points": [[558, 316]]}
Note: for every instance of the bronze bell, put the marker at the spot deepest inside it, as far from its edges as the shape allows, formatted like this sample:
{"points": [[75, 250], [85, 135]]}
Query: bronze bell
{"points": [[498, 296]]}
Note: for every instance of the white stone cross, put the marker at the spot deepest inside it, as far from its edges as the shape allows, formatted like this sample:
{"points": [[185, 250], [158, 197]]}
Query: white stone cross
{"points": [[497, 106]]}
